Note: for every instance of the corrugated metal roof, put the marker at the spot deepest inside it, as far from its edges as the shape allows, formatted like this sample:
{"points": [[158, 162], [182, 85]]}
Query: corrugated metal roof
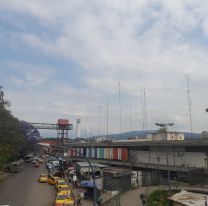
{"points": [[189, 198], [86, 164]]}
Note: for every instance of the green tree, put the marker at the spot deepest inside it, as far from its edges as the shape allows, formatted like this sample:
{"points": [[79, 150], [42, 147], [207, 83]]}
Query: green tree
{"points": [[12, 139]]}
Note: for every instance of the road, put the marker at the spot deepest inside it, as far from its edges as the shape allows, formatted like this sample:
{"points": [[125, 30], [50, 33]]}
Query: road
{"points": [[23, 189]]}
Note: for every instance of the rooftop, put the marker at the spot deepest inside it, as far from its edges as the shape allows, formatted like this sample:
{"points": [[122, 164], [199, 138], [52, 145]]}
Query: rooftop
{"points": [[86, 164], [189, 198], [116, 170]]}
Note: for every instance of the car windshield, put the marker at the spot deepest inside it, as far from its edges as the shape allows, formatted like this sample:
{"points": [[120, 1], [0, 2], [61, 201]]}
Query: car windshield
{"points": [[64, 189], [62, 197], [62, 183], [43, 175]]}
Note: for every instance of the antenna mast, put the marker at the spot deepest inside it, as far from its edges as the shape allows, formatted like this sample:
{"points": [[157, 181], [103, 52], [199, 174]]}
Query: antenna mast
{"points": [[143, 127], [189, 103], [119, 100], [107, 120], [99, 120], [130, 119], [145, 113]]}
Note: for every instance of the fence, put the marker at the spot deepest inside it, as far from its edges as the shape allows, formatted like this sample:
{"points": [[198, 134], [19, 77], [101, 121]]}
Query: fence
{"points": [[113, 201], [194, 181]]}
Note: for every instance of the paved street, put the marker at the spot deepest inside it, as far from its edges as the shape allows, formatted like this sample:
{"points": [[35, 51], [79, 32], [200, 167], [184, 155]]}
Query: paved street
{"points": [[23, 189]]}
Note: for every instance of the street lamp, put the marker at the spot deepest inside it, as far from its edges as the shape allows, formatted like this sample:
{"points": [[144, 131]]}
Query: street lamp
{"points": [[164, 126], [158, 161], [82, 155]]}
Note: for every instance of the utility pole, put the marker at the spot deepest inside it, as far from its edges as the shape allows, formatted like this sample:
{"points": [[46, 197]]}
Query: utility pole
{"points": [[189, 103], [119, 100], [142, 106], [99, 121], [107, 120], [145, 114], [85, 128], [164, 126]]}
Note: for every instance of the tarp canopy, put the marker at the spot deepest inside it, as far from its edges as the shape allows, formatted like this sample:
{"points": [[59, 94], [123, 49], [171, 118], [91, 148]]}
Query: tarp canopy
{"points": [[89, 184]]}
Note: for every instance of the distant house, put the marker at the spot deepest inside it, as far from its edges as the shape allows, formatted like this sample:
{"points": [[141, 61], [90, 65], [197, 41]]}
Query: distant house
{"points": [[185, 198], [169, 136]]}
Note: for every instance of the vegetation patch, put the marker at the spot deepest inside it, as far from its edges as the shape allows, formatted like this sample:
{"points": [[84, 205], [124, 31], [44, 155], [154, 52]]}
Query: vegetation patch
{"points": [[14, 138], [159, 198]]}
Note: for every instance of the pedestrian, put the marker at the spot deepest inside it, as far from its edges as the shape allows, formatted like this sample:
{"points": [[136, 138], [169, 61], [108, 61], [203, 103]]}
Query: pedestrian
{"points": [[74, 180], [79, 200]]}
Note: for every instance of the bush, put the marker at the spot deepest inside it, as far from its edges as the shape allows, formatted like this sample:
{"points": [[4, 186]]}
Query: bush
{"points": [[158, 198]]}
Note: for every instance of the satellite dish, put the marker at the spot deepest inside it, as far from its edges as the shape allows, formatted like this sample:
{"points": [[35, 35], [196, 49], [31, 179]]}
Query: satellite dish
{"points": [[204, 134]]}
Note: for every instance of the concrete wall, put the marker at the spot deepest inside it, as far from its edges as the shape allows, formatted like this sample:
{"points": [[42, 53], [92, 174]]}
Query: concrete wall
{"points": [[182, 159]]}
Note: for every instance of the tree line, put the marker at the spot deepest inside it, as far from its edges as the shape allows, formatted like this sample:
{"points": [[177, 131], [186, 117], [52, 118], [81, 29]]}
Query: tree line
{"points": [[16, 137]]}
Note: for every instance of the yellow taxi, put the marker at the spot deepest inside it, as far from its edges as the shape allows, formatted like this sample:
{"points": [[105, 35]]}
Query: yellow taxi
{"points": [[43, 178], [53, 179], [64, 200], [59, 183], [64, 190]]}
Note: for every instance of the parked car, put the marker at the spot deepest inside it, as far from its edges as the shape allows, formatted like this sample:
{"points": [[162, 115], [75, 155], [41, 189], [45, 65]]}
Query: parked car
{"points": [[64, 200], [64, 191], [43, 178], [53, 179], [61, 182]]}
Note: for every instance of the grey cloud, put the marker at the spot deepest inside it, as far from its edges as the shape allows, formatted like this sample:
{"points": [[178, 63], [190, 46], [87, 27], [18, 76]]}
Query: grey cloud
{"points": [[146, 43]]}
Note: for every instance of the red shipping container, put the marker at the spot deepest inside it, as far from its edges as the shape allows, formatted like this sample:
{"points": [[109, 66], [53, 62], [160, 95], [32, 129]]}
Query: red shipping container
{"points": [[115, 153], [124, 154], [63, 121]]}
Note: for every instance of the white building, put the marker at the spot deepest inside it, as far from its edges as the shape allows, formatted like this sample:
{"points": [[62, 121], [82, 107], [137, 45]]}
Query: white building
{"points": [[169, 136]]}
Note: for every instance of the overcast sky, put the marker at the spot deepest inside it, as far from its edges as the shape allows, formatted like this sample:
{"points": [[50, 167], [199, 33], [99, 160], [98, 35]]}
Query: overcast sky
{"points": [[64, 59]]}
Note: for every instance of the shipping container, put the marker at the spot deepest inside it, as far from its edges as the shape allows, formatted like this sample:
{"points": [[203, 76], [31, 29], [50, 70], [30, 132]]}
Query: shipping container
{"points": [[98, 153], [80, 152], [102, 152], [63, 121], [87, 152], [115, 153], [111, 153], [107, 153], [124, 154], [90, 152], [77, 153], [119, 154], [95, 152]]}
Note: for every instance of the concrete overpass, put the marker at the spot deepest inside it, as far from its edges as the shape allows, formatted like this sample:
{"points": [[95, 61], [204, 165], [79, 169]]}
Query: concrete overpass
{"points": [[183, 156]]}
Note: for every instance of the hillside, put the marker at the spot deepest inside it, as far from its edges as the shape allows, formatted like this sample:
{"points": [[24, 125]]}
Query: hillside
{"points": [[126, 135]]}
